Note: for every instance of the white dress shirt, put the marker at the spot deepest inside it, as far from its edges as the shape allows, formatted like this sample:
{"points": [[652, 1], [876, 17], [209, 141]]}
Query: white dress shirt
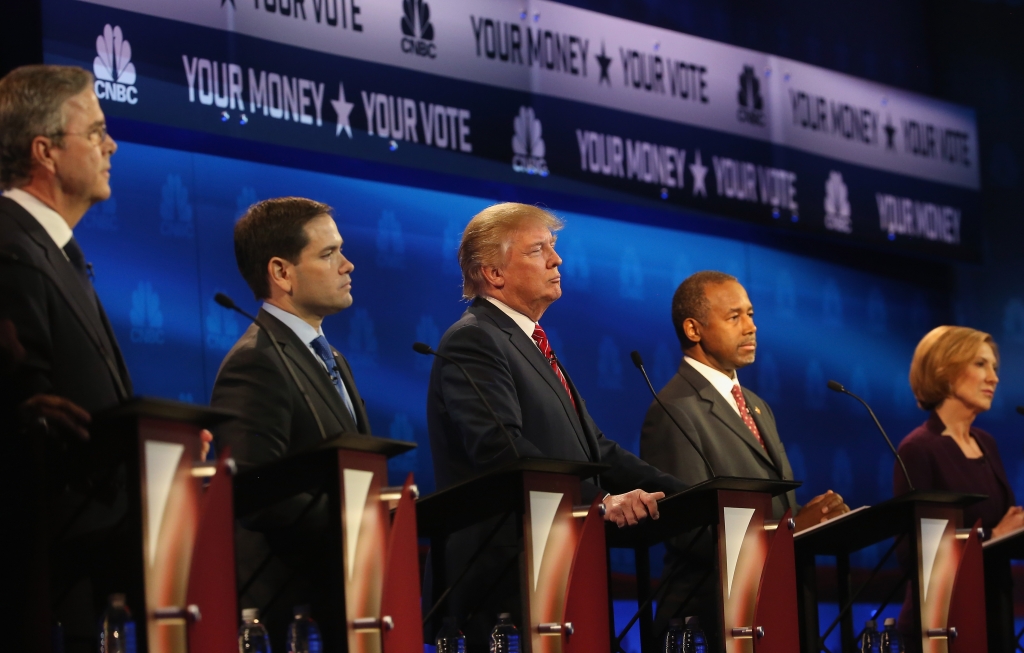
{"points": [[526, 324], [56, 226], [721, 381]]}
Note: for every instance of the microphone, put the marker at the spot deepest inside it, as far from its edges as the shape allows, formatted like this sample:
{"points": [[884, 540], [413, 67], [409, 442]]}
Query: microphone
{"points": [[427, 350], [639, 362], [1020, 409], [835, 386], [229, 304]]}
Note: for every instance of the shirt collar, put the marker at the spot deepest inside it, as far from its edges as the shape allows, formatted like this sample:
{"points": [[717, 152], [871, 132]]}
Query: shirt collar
{"points": [[526, 324], [303, 329], [719, 380], [54, 225]]}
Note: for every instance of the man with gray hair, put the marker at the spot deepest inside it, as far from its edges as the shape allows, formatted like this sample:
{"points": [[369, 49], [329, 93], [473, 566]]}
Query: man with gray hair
{"points": [[510, 272]]}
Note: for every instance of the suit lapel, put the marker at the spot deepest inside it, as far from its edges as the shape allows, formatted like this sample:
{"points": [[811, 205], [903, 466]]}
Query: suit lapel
{"points": [[721, 409], [768, 433], [306, 363], [528, 348], [88, 313]]}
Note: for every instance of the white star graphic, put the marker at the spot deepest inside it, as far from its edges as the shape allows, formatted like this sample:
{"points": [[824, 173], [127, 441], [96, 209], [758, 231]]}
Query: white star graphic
{"points": [[698, 170], [343, 108]]}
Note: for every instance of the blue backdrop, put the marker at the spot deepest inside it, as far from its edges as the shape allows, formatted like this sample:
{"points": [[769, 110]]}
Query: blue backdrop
{"points": [[162, 246]]}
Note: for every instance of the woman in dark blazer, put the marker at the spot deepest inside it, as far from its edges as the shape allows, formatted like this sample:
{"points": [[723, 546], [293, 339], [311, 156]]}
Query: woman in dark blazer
{"points": [[953, 376]]}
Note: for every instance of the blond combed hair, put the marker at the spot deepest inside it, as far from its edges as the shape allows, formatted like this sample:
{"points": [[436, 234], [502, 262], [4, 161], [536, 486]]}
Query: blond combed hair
{"points": [[489, 235], [940, 358]]}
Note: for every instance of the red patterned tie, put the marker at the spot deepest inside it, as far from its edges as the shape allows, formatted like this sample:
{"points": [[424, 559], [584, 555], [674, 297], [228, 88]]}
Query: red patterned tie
{"points": [[541, 339], [741, 403]]}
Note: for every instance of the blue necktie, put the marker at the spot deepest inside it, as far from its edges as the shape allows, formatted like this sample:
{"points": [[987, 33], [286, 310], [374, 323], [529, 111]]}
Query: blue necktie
{"points": [[323, 350]]}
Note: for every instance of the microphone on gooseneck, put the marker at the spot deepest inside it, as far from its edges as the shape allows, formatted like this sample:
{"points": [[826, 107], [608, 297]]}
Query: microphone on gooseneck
{"points": [[1020, 409], [427, 350], [835, 386], [639, 362], [229, 304]]}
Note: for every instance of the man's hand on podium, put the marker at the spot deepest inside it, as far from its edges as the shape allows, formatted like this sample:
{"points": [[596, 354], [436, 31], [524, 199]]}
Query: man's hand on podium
{"points": [[56, 415], [207, 438], [631, 508], [820, 509]]}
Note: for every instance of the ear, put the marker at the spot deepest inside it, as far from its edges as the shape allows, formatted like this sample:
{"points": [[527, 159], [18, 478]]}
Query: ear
{"points": [[493, 276], [41, 150], [280, 274], [692, 329]]}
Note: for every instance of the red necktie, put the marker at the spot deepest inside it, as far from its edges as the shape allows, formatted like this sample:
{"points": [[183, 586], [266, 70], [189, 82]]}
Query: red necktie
{"points": [[541, 339], [741, 403]]}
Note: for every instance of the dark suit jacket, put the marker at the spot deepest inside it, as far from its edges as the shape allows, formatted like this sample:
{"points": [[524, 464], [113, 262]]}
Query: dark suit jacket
{"points": [[732, 450], [70, 347], [70, 351], [530, 401], [281, 550]]}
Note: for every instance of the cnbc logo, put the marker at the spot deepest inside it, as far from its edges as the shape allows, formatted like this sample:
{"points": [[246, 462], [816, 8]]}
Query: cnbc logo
{"points": [[418, 31], [113, 67], [751, 104]]}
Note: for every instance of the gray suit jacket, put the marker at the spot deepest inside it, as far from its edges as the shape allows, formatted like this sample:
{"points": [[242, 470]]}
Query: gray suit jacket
{"points": [[731, 448]]}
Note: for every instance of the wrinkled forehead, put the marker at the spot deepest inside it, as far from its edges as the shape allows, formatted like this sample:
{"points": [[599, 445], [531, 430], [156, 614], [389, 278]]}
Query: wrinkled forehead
{"points": [[727, 295]]}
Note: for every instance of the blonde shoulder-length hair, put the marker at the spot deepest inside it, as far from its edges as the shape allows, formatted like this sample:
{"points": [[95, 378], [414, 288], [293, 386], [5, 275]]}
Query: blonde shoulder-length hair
{"points": [[940, 357]]}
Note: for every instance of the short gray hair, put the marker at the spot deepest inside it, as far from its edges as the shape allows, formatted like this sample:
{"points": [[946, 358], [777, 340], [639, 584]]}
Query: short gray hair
{"points": [[488, 237], [32, 104]]}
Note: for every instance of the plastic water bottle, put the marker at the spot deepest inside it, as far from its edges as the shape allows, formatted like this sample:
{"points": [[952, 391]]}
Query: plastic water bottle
{"points": [[871, 639], [891, 642], [252, 636], [117, 630], [450, 639], [504, 637], [674, 637], [303, 633], [693, 637]]}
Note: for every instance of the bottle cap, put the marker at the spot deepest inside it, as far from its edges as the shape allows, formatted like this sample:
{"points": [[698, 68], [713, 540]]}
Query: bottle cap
{"points": [[890, 622], [117, 600], [675, 623], [693, 622], [505, 616], [301, 611], [871, 624], [250, 614]]}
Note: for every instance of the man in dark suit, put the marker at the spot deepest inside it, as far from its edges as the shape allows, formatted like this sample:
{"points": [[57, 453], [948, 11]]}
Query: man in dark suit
{"points": [[54, 164], [290, 253], [734, 428], [510, 271]]}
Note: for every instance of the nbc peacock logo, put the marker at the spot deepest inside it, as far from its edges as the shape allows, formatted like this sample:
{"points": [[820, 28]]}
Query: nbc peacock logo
{"points": [[528, 144], [113, 67]]}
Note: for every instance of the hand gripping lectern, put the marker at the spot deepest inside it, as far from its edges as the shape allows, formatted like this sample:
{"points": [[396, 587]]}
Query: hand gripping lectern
{"points": [[178, 548], [562, 564], [945, 569], [752, 562], [376, 571]]}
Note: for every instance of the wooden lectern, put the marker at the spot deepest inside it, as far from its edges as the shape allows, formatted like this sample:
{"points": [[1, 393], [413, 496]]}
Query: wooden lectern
{"points": [[179, 550], [998, 554], [753, 561], [377, 568], [562, 562], [946, 573]]}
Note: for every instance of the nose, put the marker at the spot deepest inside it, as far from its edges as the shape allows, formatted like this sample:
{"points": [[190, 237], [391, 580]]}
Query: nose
{"points": [[346, 266], [555, 260], [113, 144]]}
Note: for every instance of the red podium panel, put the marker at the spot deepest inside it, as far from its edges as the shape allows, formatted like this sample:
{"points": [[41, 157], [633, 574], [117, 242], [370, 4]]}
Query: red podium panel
{"points": [[586, 594], [209, 589], [967, 603], [400, 598], [776, 597]]}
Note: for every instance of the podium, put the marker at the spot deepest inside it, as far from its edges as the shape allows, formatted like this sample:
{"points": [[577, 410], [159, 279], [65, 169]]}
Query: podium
{"points": [[562, 561], [753, 561], [998, 554], [178, 554], [376, 571], [946, 573]]}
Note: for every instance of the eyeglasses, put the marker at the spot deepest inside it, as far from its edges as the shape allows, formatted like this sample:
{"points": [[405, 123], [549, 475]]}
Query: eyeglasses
{"points": [[96, 135]]}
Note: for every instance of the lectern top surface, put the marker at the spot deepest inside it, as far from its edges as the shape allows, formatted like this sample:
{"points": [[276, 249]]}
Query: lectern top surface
{"points": [[876, 523], [367, 443], [156, 408], [490, 493]]}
